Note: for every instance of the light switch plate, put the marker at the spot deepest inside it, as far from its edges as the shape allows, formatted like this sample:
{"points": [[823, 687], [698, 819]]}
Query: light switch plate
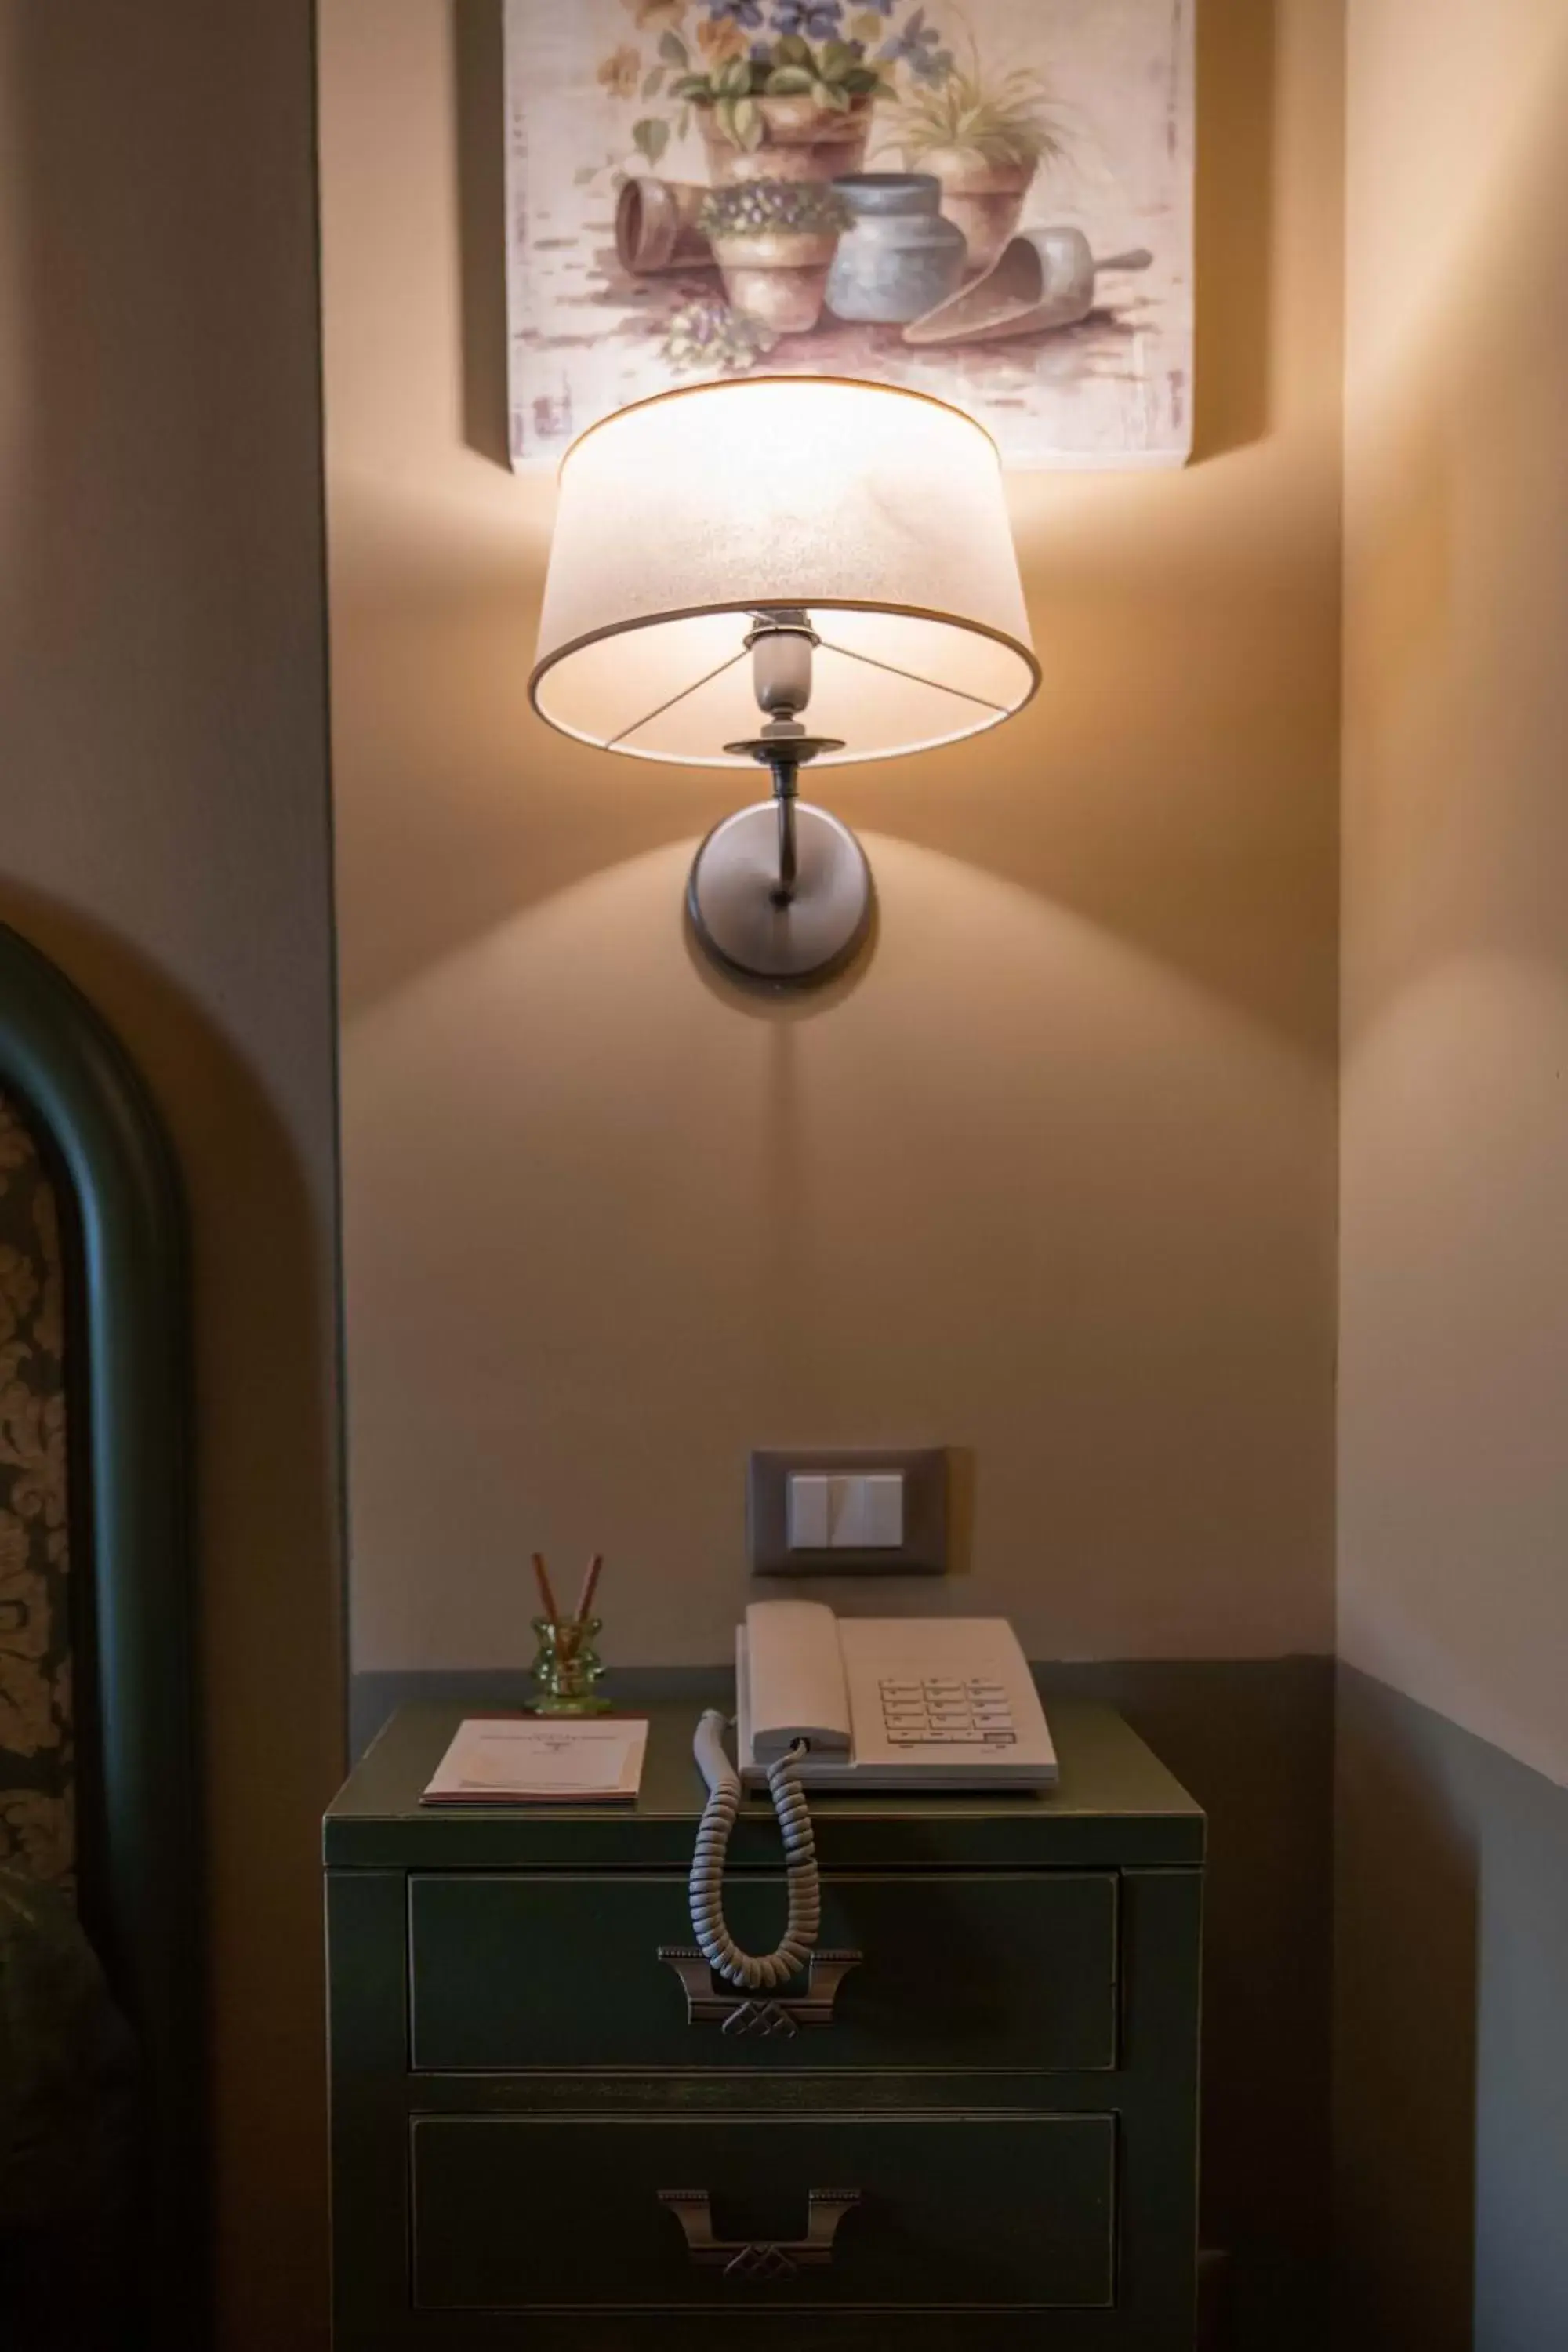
{"points": [[851, 1510], [821, 1510]]}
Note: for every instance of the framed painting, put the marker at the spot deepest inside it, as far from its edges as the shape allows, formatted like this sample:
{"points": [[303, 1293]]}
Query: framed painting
{"points": [[989, 200]]}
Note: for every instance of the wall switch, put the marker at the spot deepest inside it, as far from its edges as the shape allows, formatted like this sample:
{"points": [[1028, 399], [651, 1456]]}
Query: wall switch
{"points": [[808, 1511], [851, 1511], [842, 1514]]}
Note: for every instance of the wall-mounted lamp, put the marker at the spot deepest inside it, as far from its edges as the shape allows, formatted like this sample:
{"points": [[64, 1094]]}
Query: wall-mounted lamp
{"points": [[774, 544]]}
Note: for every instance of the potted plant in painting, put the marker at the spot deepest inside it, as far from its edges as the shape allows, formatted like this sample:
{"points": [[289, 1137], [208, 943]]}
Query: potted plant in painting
{"points": [[774, 241], [780, 109], [984, 138]]}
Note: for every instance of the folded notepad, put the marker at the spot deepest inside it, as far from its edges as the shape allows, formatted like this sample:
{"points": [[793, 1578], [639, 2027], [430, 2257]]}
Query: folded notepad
{"points": [[554, 1761]]}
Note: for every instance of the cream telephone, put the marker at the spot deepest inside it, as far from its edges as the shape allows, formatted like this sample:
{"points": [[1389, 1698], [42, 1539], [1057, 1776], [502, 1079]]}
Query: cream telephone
{"points": [[886, 1703]]}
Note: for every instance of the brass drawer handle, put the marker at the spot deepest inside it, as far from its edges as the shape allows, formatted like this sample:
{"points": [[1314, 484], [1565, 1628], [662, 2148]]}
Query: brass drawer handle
{"points": [[765, 2260], [745, 2013]]}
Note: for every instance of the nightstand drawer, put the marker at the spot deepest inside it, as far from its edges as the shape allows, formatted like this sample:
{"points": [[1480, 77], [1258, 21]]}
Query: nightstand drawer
{"points": [[513, 2213], [1011, 1970]]}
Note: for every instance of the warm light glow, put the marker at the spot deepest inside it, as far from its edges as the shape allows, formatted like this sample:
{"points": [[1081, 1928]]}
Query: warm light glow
{"points": [[881, 512]]}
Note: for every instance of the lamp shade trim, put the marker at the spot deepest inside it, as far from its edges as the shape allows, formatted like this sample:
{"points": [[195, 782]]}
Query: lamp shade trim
{"points": [[982, 712], [759, 383]]}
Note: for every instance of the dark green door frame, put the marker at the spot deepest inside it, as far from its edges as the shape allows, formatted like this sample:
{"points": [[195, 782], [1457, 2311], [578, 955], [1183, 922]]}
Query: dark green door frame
{"points": [[131, 1535]]}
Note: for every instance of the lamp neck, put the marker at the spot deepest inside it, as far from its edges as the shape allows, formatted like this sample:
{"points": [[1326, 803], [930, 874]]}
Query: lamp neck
{"points": [[784, 747], [786, 770]]}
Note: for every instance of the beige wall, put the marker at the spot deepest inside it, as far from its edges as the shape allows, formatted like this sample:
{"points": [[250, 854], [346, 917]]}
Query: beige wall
{"points": [[1454, 1492], [163, 835], [1053, 1183]]}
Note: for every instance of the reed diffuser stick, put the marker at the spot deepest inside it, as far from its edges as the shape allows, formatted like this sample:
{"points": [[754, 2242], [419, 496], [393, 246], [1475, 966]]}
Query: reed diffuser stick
{"points": [[546, 1592], [590, 1586]]}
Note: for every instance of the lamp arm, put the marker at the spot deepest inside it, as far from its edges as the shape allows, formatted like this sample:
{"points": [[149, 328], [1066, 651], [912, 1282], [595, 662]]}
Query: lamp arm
{"points": [[786, 776]]}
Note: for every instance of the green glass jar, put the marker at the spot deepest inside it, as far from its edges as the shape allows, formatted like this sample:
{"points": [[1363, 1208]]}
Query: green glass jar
{"points": [[566, 1666]]}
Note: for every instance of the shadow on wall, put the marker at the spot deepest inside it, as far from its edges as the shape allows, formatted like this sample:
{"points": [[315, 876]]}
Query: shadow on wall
{"points": [[1451, 2057], [478, 105], [1406, 1996], [1156, 619], [1234, 224], [1253, 1742]]}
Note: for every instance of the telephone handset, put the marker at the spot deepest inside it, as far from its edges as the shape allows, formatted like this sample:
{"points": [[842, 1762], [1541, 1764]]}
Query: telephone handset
{"points": [[887, 1703]]}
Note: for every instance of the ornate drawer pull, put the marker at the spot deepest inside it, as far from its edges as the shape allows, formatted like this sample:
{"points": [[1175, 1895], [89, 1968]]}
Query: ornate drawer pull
{"points": [[765, 2260], [745, 2013]]}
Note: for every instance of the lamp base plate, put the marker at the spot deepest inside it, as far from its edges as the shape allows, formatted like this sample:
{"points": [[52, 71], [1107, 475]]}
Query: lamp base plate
{"points": [[734, 908]]}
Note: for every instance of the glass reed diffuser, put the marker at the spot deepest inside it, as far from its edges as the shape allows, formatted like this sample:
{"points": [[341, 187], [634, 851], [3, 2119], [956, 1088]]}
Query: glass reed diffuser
{"points": [[566, 1661]]}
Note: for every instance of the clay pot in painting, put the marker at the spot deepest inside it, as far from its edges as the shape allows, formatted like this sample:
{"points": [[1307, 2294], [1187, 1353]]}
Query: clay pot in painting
{"points": [[898, 257], [983, 201], [778, 278], [657, 226], [801, 140]]}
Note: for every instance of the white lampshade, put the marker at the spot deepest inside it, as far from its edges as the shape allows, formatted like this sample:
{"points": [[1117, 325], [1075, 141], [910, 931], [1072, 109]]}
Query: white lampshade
{"points": [[879, 511]]}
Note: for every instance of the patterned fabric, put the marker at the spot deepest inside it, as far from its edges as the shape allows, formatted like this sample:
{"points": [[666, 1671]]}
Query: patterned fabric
{"points": [[37, 1825]]}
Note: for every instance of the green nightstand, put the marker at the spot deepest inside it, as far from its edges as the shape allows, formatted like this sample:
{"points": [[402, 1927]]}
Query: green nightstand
{"points": [[550, 2130]]}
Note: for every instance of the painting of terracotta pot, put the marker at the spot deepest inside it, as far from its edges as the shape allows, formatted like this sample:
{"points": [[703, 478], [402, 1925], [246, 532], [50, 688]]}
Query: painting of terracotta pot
{"points": [[983, 201], [780, 281], [800, 141], [774, 241], [657, 226]]}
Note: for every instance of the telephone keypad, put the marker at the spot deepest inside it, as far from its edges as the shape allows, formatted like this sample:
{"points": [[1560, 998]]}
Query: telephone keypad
{"points": [[944, 1711]]}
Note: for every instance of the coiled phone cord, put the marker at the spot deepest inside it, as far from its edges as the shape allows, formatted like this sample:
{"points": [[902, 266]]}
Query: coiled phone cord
{"points": [[718, 1947]]}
